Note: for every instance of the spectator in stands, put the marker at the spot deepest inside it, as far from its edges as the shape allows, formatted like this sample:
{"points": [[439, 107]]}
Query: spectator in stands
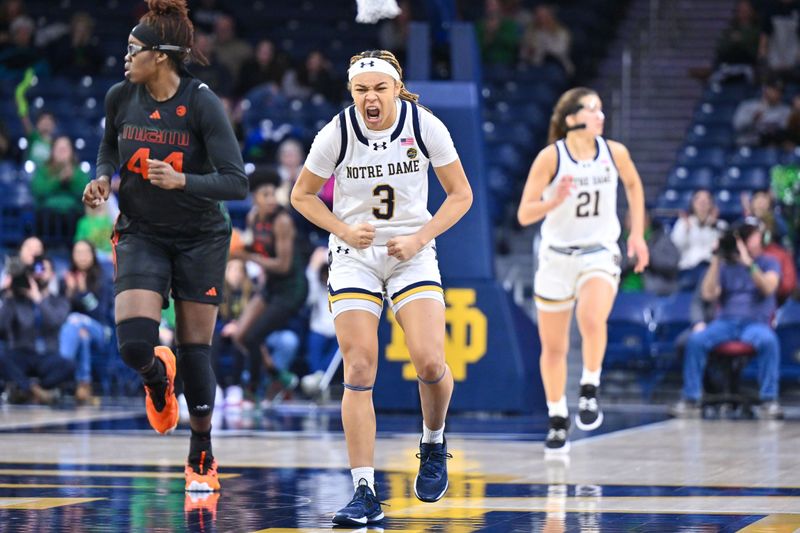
{"points": [[743, 281], [498, 36], [321, 344], [792, 140], [695, 233], [232, 52], [284, 292], [40, 138], [9, 10], [291, 156], [7, 146], [737, 48], [265, 67], [86, 331], [762, 121], [779, 45], [661, 275], [77, 53], [20, 53], [314, 77], [775, 232], [30, 319], [215, 75], [545, 38], [96, 227], [57, 187], [761, 206]]}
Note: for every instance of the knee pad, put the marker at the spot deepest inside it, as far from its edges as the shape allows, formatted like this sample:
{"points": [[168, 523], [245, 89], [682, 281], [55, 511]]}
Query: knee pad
{"points": [[136, 338], [199, 381]]}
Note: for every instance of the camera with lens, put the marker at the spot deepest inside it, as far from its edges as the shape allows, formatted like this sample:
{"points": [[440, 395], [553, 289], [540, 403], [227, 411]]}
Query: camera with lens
{"points": [[727, 249]]}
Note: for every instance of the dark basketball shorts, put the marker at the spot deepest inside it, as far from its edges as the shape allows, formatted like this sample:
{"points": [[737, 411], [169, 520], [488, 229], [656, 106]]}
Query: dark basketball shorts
{"points": [[189, 265]]}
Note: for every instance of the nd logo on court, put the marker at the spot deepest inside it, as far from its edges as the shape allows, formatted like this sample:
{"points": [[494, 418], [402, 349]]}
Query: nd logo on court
{"points": [[465, 338]]}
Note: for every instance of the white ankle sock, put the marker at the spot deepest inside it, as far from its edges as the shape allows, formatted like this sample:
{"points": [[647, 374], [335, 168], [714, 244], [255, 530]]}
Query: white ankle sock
{"points": [[558, 408], [430, 436], [367, 473], [591, 378]]}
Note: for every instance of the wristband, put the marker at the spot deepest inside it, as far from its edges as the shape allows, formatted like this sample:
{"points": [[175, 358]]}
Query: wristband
{"points": [[754, 267]]}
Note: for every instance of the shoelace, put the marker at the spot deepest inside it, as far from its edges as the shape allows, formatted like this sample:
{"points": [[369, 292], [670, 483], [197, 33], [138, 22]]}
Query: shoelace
{"points": [[427, 467], [587, 404], [557, 434], [364, 495]]}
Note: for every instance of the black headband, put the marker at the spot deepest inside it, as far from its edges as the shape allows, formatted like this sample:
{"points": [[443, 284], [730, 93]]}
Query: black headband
{"points": [[147, 34], [150, 38]]}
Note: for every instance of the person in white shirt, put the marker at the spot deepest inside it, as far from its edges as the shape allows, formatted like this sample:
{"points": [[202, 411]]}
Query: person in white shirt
{"points": [[572, 185], [382, 242], [695, 233]]}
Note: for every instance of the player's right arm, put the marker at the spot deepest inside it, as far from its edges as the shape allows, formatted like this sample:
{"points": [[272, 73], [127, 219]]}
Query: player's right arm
{"points": [[321, 162], [532, 208], [97, 190]]}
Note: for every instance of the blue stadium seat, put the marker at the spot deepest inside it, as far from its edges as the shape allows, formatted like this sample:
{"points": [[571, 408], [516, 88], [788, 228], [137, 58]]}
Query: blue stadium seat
{"points": [[672, 199], [787, 326], [729, 204], [743, 178], [671, 318], [710, 135], [683, 178], [721, 114], [748, 156], [630, 331], [701, 156]]}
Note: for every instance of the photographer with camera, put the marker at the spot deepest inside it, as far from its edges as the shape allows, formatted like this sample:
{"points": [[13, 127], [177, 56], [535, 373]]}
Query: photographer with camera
{"points": [[742, 281], [30, 320]]}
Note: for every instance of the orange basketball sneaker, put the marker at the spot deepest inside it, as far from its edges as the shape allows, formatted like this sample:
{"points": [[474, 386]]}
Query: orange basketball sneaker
{"points": [[201, 476], [164, 419]]}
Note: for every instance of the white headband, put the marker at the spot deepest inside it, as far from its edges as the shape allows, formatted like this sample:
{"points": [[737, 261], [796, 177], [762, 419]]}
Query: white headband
{"points": [[372, 64]]}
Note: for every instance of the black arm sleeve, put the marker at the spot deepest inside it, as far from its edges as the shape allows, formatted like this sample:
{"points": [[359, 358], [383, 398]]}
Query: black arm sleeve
{"points": [[229, 182], [108, 155]]}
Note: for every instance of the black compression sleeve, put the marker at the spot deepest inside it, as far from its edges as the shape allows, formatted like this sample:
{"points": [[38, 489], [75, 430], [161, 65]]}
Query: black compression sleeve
{"points": [[229, 182], [108, 155]]}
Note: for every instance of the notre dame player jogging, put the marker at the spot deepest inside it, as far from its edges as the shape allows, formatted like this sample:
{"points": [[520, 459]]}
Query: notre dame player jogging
{"points": [[170, 140]]}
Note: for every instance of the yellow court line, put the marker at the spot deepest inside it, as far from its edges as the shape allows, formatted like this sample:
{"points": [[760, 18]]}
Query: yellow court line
{"points": [[100, 473], [38, 504], [774, 523]]}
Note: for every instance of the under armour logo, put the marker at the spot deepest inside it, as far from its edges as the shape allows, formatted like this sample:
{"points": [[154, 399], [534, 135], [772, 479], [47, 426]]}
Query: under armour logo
{"points": [[365, 63], [339, 250], [382, 146]]}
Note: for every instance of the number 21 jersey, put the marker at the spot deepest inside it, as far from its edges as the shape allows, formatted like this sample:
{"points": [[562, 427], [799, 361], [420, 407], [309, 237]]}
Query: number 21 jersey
{"points": [[589, 214]]}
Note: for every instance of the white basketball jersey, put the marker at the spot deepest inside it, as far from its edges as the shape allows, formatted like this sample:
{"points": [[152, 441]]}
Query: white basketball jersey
{"points": [[589, 214], [384, 180]]}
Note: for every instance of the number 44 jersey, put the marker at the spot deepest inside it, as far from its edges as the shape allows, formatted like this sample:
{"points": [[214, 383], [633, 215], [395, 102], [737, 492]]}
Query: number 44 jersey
{"points": [[382, 176], [589, 213]]}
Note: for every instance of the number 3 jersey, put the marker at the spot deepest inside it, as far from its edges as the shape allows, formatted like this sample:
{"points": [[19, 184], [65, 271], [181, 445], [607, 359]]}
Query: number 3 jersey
{"points": [[589, 213], [189, 131], [382, 176]]}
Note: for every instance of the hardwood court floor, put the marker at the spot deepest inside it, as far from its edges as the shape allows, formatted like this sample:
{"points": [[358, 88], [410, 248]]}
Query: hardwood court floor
{"points": [[103, 470]]}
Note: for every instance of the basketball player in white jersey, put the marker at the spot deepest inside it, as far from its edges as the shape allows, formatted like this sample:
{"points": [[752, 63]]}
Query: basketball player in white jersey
{"points": [[382, 244], [572, 184]]}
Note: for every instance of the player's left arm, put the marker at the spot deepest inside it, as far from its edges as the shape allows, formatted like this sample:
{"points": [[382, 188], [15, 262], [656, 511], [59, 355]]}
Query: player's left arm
{"points": [[459, 199], [229, 181], [634, 191]]}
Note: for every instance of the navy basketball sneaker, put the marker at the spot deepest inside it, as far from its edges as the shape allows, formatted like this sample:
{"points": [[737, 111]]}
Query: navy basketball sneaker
{"points": [[556, 441], [363, 509], [589, 415], [431, 482]]}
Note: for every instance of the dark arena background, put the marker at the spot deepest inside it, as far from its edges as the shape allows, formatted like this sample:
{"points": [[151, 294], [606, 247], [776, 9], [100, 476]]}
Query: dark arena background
{"points": [[705, 94]]}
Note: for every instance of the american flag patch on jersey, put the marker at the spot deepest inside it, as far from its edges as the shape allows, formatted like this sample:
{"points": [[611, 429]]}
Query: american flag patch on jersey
{"points": [[406, 141]]}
